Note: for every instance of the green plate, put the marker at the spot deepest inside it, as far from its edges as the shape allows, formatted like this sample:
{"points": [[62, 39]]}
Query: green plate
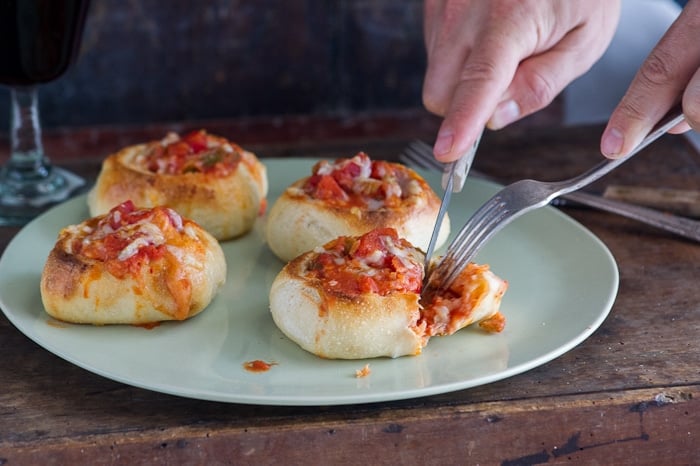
{"points": [[563, 282]]}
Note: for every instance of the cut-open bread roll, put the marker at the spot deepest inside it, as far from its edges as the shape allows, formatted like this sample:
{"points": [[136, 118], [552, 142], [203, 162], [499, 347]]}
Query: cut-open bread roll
{"points": [[359, 297]]}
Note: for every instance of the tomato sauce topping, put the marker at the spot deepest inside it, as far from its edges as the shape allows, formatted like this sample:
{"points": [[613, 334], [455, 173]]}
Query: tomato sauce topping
{"points": [[127, 236], [129, 240], [196, 152], [362, 182], [378, 262], [258, 365], [444, 309]]}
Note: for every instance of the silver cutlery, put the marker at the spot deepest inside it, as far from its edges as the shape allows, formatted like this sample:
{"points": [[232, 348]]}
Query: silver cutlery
{"points": [[454, 176], [419, 154], [519, 198]]}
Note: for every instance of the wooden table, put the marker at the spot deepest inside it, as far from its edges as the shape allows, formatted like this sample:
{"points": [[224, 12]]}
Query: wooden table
{"points": [[629, 394]]}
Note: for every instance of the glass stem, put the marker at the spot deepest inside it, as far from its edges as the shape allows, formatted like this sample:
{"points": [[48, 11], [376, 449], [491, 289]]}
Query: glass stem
{"points": [[27, 159]]}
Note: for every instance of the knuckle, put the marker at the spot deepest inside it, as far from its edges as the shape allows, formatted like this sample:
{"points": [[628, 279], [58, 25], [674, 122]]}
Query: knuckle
{"points": [[541, 90], [434, 107], [632, 110], [477, 71], [434, 92], [691, 101], [433, 102], [691, 110], [658, 69]]}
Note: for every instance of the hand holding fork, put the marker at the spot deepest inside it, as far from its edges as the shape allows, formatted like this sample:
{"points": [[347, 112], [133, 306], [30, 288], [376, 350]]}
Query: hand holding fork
{"points": [[517, 199]]}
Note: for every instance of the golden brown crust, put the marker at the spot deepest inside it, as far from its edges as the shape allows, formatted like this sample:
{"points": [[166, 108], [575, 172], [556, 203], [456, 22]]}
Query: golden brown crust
{"points": [[226, 206], [332, 325], [79, 289]]}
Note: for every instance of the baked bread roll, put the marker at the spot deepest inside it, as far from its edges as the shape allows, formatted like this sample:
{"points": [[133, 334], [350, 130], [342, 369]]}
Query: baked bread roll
{"points": [[350, 197], [203, 177], [359, 297], [132, 266]]}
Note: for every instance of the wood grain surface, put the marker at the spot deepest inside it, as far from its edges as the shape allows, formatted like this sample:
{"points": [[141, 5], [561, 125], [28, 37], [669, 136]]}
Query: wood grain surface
{"points": [[629, 394]]}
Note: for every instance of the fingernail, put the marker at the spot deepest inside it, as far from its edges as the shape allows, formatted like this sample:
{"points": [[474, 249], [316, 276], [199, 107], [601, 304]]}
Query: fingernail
{"points": [[611, 144], [443, 143], [506, 113]]}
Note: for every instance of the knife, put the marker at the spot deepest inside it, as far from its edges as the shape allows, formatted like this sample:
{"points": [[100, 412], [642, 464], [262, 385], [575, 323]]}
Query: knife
{"points": [[453, 177]]}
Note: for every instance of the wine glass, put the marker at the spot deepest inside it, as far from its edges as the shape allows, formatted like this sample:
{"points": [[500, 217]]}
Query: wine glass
{"points": [[39, 39]]}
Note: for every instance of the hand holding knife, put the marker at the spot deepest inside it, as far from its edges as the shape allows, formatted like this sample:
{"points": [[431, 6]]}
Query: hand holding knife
{"points": [[453, 178]]}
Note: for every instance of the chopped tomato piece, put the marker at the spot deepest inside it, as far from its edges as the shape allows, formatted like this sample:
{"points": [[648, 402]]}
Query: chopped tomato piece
{"points": [[197, 140], [347, 174], [179, 149], [372, 241], [328, 188], [381, 169], [367, 284]]}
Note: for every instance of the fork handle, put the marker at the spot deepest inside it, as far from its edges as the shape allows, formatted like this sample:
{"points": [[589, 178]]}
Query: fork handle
{"points": [[670, 120]]}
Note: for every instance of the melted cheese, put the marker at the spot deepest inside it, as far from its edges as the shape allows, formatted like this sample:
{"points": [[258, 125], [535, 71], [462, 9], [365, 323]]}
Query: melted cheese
{"points": [[138, 229]]}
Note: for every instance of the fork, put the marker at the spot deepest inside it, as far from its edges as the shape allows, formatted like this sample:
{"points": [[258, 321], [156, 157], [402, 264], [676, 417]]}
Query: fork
{"points": [[419, 154], [517, 199]]}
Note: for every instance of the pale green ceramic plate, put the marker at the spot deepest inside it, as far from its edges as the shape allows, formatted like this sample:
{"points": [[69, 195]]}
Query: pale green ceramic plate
{"points": [[563, 282]]}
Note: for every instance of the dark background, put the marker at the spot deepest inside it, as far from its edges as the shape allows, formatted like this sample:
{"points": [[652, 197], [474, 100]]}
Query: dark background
{"points": [[158, 61], [155, 61]]}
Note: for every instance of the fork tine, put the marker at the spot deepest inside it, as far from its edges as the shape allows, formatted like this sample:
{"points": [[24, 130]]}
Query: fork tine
{"points": [[480, 227], [420, 154], [480, 232], [411, 158], [424, 148]]}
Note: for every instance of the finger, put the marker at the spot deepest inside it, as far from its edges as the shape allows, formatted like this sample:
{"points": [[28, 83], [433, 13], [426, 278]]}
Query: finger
{"points": [[657, 86], [680, 128], [691, 102], [441, 74], [483, 79], [540, 78], [447, 48]]}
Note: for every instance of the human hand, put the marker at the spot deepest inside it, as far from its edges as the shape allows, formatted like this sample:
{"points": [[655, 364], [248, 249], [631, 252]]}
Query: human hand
{"points": [[670, 74], [494, 62]]}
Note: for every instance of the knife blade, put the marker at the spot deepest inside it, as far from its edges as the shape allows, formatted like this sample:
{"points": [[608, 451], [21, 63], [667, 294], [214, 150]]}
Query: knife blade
{"points": [[453, 178]]}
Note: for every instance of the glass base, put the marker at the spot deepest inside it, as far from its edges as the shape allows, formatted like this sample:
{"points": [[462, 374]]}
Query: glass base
{"points": [[21, 201]]}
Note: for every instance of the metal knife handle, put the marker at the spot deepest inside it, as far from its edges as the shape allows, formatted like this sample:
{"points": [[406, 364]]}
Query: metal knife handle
{"points": [[461, 168]]}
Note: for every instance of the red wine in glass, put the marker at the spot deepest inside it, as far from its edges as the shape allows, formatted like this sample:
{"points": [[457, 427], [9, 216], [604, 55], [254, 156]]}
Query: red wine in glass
{"points": [[39, 40]]}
